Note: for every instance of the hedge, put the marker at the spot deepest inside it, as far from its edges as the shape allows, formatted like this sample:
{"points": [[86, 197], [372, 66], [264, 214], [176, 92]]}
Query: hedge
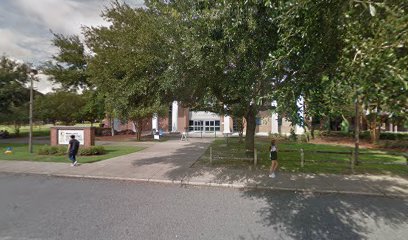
{"points": [[62, 150]]}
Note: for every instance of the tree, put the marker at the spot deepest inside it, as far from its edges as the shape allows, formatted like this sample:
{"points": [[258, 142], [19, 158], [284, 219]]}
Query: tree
{"points": [[69, 66], [13, 77], [218, 57], [94, 108], [307, 59], [357, 47], [375, 59], [16, 116], [60, 106], [129, 59]]}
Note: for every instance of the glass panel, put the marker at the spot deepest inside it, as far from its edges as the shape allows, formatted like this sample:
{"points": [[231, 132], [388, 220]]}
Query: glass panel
{"points": [[217, 128], [217, 123], [211, 123], [235, 125], [258, 121]]}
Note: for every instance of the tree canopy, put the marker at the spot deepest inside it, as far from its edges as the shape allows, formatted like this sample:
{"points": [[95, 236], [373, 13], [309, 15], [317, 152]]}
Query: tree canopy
{"points": [[129, 59], [236, 57], [13, 77]]}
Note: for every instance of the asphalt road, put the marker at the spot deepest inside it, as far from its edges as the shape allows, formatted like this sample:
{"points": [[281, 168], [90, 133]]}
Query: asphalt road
{"points": [[40, 207]]}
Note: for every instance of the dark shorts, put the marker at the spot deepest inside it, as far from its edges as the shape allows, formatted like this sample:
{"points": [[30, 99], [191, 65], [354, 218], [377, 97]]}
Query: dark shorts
{"points": [[274, 156], [72, 156]]}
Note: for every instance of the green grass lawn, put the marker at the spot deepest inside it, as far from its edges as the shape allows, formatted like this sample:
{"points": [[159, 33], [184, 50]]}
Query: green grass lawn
{"points": [[232, 155], [20, 152]]}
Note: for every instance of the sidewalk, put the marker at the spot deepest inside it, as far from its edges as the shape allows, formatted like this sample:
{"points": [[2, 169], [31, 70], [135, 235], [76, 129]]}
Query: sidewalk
{"points": [[171, 162]]}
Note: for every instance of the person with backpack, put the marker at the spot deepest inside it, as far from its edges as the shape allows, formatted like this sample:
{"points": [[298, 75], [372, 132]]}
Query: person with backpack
{"points": [[72, 150]]}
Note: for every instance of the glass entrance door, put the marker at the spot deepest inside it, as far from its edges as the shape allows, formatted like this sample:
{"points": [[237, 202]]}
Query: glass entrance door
{"points": [[212, 126], [198, 126]]}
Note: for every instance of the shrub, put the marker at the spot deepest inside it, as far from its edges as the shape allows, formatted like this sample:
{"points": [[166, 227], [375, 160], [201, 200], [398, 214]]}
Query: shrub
{"points": [[62, 150], [93, 150], [52, 150], [393, 136]]}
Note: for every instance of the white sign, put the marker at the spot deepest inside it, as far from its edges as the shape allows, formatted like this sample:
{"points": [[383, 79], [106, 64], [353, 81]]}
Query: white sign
{"points": [[65, 135], [201, 115]]}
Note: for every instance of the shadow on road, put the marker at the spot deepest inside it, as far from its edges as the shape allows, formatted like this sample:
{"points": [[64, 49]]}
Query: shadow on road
{"points": [[331, 216]]}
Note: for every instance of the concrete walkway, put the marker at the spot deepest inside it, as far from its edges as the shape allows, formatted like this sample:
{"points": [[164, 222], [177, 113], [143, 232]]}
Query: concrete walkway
{"points": [[172, 162]]}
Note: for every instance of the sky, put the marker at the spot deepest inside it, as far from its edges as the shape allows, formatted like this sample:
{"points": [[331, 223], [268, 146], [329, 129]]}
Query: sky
{"points": [[26, 25]]}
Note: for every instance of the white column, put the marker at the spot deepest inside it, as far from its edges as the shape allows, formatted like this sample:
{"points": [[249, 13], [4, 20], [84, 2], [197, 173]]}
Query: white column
{"points": [[227, 124], [155, 122], [174, 115], [300, 103], [274, 120], [391, 127], [116, 124]]}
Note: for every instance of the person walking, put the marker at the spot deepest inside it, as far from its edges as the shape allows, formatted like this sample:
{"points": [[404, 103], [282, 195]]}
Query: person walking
{"points": [[273, 153], [72, 150]]}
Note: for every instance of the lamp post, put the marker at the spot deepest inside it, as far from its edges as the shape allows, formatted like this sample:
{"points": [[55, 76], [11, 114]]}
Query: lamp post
{"points": [[33, 72]]}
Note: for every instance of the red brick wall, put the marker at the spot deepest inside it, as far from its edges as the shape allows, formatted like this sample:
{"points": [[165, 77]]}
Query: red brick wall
{"points": [[89, 134], [182, 119]]}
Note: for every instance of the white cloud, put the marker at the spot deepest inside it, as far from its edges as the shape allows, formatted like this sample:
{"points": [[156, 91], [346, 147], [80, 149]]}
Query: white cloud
{"points": [[62, 16], [9, 44], [25, 25]]}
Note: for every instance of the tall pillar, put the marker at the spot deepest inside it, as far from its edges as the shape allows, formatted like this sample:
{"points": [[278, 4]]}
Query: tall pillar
{"points": [[227, 124], [155, 122], [174, 116], [300, 103], [274, 120], [116, 124], [391, 127]]}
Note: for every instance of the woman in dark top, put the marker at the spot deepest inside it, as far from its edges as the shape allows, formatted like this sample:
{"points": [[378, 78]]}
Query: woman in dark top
{"points": [[273, 153]]}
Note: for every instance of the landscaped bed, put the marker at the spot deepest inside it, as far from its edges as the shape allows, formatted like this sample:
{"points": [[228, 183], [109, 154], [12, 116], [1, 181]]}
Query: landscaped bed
{"points": [[20, 152], [318, 158]]}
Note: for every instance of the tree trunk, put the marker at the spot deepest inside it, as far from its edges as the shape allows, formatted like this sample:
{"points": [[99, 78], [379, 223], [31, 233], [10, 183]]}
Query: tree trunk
{"points": [[374, 134], [16, 129], [312, 128], [240, 129], [356, 132], [250, 130], [139, 128], [329, 124], [112, 127]]}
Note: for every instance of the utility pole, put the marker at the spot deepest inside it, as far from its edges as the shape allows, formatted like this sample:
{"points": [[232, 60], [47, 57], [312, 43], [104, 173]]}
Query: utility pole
{"points": [[33, 72]]}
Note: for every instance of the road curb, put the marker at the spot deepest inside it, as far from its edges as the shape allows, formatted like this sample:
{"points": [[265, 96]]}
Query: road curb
{"points": [[221, 185]]}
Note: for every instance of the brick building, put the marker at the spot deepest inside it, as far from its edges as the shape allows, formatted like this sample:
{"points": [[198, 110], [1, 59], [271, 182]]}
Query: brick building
{"points": [[181, 119]]}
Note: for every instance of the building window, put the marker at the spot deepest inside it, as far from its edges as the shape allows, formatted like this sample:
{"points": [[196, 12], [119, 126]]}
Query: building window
{"points": [[190, 125], [204, 125], [258, 121], [217, 125], [235, 124]]}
